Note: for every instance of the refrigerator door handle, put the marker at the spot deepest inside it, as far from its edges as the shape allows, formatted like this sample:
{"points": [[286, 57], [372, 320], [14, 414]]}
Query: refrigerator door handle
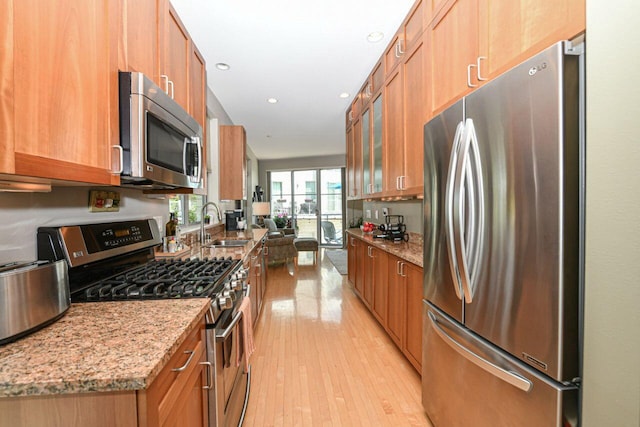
{"points": [[469, 187], [448, 210], [512, 378]]}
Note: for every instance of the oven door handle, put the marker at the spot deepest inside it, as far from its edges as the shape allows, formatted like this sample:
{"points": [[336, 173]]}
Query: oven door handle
{"points": [[220, 337]]}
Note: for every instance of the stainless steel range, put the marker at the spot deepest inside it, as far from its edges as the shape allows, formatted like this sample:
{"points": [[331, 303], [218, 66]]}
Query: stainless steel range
{"points": [[115, 262]]}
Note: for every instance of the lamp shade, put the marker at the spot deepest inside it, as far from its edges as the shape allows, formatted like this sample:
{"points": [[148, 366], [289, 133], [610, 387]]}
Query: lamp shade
{"points": [[261, 208]]}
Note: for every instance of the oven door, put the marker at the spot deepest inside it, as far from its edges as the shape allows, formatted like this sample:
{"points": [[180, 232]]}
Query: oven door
{"points": [[232, 382]]}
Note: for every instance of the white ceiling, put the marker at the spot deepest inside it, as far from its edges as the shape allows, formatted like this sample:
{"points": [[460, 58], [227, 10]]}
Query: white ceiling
{"points": [[304, 53]]}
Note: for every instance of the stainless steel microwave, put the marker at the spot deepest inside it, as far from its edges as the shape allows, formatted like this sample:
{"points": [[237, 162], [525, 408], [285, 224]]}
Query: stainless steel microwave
{"points": [[160, 143]]}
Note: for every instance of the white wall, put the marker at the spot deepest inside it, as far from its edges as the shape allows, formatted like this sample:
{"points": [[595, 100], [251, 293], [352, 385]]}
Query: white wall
{"points": [[612, 309], [22, 213]]}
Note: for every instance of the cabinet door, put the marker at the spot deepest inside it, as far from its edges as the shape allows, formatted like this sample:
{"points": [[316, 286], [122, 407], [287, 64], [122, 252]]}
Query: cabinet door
{"points": [[232, 163], [357, 159], [66, 117], [7, 164], [361, 251], [416, 115], [454, 38], [413, 302], [350, 164], [376, 145], [512, 31], [352, 259], [394, 135], [366, 152], [380, 288], [198, 108], [396, 298], [369, 275], [198, 86], [176, 52], [139, 34]]}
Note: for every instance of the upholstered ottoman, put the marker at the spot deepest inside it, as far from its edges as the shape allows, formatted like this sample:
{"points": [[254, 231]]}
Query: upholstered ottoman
{"points": [[307, 244]]}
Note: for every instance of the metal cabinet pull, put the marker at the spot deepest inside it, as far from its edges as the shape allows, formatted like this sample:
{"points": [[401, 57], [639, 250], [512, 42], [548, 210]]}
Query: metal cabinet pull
{"points": [[171, 84], [510, 377], [120, 160], [166, 83], [209, 384], [353, 242], [480, 78], [398, 48], [402, 269], [183, 367], [469, 67]]}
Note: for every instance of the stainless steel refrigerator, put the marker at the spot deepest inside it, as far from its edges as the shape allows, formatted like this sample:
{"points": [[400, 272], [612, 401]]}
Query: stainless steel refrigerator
{"points": [[503, 243]]}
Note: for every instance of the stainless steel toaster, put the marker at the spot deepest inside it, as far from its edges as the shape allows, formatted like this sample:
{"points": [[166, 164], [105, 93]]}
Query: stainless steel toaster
{"points": [[33, 294]]}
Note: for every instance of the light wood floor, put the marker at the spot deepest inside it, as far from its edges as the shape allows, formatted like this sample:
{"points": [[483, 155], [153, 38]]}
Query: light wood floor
{"points": [[322, 359]]}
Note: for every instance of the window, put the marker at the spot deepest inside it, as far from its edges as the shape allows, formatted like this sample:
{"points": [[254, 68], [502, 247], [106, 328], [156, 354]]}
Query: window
{"points": [[188, 208]]}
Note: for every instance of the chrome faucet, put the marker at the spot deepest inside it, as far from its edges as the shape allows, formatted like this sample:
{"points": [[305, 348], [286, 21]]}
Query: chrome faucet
{"points": [[202, 213]]}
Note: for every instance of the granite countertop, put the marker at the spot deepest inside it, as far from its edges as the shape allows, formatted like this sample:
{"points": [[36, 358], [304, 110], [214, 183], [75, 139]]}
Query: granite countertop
{"points": [[254, 236], [104, 346], [409, 251]]}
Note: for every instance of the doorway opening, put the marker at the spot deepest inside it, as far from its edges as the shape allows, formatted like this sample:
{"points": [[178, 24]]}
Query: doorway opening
{"points": [[311, 200]]}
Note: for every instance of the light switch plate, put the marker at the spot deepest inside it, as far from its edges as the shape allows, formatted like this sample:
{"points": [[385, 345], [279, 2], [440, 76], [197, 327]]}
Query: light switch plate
{"points": [[104, 201], [368, 213]]}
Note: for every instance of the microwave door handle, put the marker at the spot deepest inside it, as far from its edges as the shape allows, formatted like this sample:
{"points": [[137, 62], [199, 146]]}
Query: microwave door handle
{"points": [[184, 155], [198, 173]]}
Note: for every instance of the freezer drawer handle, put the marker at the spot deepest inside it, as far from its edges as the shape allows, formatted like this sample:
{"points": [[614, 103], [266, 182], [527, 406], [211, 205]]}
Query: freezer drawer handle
{"points": [[509, 377]]}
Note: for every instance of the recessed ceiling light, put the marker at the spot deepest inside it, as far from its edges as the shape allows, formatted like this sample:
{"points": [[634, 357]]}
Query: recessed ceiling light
{"points": [[272, 101], [344, 95], [375, 37], [222, 66]]}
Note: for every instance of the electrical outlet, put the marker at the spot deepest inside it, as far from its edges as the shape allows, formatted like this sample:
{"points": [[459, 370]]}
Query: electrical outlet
{"points": [[376, 213], [368, 213], [385, 211]]}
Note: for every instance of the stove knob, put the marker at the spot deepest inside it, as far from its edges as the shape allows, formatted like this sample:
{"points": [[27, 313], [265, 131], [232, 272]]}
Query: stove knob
{"points": [[225, 303], [236, 285], [241, 274]]}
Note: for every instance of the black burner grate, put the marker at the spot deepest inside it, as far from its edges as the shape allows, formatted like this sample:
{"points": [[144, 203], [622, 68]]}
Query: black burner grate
{"points": [[161, 279]]}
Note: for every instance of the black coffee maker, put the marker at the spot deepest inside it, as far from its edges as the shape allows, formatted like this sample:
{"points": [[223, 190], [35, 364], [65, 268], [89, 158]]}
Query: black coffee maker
{"points": [[232, 218]]}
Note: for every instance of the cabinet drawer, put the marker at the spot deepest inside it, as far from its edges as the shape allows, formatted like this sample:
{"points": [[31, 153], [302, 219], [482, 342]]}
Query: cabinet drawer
{"points": [[175, 381]]}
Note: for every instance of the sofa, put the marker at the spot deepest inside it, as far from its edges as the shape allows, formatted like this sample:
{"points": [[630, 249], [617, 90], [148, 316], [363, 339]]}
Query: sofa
{"points": [[279, 244]]}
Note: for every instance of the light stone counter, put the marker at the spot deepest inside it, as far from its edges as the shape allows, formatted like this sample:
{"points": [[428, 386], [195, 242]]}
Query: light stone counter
{"points": [[104, 346], [409, 251]]}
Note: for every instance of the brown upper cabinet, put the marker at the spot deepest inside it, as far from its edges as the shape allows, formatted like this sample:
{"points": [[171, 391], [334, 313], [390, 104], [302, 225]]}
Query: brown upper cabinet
{"points": [[442, 51], [233, 154], [406, 37], [67, 56], [66, 117], [175, 55], [7, 140], [474, 41], [155, 42]]}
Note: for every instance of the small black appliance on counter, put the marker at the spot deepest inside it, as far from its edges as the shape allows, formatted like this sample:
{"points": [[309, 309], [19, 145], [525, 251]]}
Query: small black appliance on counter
{"points": [[394, 229], [231, 219]]}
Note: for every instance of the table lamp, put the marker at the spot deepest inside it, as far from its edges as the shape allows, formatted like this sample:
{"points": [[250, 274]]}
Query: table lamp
{"points": [[261, 209]]}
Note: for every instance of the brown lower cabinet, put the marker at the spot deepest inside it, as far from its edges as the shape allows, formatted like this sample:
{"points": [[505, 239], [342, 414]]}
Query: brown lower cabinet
{"points": [[257, 280], [404, 319], [391, 288], [175, 398]]}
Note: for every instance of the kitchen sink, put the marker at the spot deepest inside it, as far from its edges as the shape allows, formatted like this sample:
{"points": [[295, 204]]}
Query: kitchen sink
{"points": [[227, 243]]}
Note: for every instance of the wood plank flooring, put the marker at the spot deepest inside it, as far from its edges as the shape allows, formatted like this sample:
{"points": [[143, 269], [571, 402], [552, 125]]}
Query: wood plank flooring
{"points": [[322, 359]]}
